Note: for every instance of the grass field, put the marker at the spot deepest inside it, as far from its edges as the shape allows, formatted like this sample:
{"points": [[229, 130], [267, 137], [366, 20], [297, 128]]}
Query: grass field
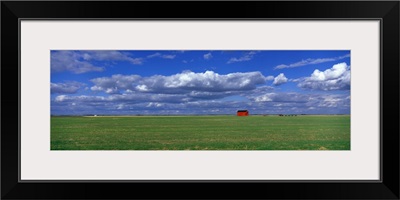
{"points": [[201, 133]]}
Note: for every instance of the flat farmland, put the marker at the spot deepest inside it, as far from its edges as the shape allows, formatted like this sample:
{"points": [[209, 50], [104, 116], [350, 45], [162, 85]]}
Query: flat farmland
{"points": [[302, 132]]}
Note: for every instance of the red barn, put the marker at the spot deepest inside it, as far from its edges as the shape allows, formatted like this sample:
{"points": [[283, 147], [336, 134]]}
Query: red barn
{"points": [[242, 113]]}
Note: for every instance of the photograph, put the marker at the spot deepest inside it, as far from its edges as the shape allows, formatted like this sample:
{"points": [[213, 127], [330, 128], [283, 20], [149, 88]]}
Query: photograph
{"points": [[200, 99]]}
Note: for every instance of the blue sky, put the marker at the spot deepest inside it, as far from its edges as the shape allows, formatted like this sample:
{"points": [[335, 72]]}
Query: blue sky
{"points": [[176, 82]]}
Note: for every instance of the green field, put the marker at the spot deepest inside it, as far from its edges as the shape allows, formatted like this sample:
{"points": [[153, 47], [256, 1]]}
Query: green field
{"points": [[328, 132]]}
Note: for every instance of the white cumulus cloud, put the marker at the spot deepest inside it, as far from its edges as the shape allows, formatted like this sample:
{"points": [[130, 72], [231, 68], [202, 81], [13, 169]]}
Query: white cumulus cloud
{"points": [[115, 83], [190, 85], [280, 79], [336, 78], [207, 81]]}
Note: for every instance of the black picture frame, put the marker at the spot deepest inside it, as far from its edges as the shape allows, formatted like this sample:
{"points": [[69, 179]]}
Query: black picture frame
{"points": [[386, 11]]}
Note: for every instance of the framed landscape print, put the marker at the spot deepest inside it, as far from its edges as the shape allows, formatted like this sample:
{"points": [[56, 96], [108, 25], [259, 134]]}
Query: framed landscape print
{"points": [[121, 99]]}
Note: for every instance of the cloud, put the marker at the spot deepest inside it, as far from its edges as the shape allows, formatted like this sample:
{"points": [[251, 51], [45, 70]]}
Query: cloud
{"points": [[154, 55], [125, 92], [260, 90], [336, 78], [207, 56], [82, 98], [115, 83], [132, 98], [168, 56], [102, 55], [79, 62], [197, 93], [200, 95], [187, 61], [142, 103], [311, 61], [180, 83], [302, 103], [246, 57], [280, 79], [333, 101], [269, 78], [147, 103], [208, 81], [159, 55], [71, 61], [282, 97], [65, 88]]}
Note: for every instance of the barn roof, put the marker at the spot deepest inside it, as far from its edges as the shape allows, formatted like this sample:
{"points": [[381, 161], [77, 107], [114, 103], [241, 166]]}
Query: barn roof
{"points": [[242, 110]]}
